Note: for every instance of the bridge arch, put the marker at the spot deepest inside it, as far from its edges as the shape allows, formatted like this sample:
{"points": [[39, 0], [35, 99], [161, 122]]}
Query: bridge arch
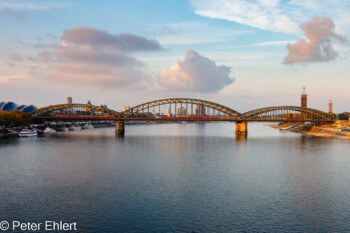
{"points": [[49, 109], [181, 101], [278, 111]]}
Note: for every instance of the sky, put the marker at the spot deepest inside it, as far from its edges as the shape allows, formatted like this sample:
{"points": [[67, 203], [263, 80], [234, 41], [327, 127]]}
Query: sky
{"points": [[244, 54]]}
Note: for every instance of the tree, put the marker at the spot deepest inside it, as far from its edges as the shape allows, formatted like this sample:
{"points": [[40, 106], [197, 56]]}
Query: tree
{"points": [[15, 118]]}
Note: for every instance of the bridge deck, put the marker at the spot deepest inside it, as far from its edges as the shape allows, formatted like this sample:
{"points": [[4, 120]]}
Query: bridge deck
{"points": [[190, 119]]}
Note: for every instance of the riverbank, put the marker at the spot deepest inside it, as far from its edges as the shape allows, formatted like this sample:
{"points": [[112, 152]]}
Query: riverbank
{"points": [[9, 132], [6, 132], [339, 129]]}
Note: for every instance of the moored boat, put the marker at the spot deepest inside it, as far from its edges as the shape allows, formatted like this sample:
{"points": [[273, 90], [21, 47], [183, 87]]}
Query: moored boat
{"points": [[65, 129], [88, 126], [28, 133], [75, 128], [49, 130], [62, 129]]}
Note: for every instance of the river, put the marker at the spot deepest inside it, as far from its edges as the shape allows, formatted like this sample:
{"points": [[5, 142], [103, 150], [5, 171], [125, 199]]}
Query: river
{"points": [[178, 178]]}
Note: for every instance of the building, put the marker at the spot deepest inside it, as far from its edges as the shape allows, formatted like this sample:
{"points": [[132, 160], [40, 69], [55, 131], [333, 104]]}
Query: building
{"points": [[200, 111], [26, 108], [10, 106], [304, 99], [155, 114], [182, 112], [69, 100], [126, 108], [167, 112], [330, 106]]}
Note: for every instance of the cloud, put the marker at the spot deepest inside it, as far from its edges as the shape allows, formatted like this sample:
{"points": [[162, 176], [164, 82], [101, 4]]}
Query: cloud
{"points": [[262, 14], [39, 45], [8, 78], [48, 41], [193, 32], [15, 13], [16, 58], [95, 57], [273, 15], [260, 44], [195, 73], [48, 5], [317, 46], [270, 43], [91, 37], [16, 9]]}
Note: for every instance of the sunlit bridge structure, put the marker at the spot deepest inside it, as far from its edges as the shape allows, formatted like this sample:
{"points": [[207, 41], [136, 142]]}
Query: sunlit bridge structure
{"points": [[181, 109], [193, 108], [75, 112], [281, 113]]}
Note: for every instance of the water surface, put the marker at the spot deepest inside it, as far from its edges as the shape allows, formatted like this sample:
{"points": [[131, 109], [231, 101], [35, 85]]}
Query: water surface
{"points": [[178, 178]]}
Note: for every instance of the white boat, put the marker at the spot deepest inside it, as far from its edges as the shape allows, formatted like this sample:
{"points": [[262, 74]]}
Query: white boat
{"points": [[28, 133], [88, 126], [286, 128], [49, 130], [64, 129], [75, 128]]}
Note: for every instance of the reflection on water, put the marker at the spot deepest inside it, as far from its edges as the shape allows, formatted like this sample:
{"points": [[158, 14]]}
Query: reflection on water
{"points": [[178, 177]]}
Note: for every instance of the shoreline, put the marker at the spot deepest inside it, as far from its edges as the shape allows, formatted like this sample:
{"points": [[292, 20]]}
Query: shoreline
{"points": [[12, 132], [339, 129]]}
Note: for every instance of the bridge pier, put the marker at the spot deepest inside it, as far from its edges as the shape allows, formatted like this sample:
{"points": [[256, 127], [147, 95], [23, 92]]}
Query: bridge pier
{"points": [[241, 128], [119, 128]]}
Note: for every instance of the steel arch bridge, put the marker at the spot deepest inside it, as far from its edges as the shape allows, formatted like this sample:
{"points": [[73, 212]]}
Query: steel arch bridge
{"points": [[218, 112], [48, 112], [181, 102], [278, 112]]}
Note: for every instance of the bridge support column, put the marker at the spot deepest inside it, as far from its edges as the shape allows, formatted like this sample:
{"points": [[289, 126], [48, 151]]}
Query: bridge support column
{"points": [[241, 128], [119, 128]]}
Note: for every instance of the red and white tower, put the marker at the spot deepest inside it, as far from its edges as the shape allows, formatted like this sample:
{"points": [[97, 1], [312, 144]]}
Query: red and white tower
{"points": [[304, 99]]}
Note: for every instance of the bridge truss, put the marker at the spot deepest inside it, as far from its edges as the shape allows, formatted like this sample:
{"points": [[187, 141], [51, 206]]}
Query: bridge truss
{"points": [[287, 112], [75, 110], [183, 109]]}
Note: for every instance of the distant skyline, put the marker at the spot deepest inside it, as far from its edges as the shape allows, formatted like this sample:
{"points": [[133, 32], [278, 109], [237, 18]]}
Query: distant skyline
{"points": [[242, 54]]}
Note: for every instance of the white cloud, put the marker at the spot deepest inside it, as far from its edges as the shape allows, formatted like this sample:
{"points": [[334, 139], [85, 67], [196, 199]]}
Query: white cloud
{"points": [[262, 44], [194, 33], [269, 2], [271, 43], [265, 15], [195, 73], [274, 15]]}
